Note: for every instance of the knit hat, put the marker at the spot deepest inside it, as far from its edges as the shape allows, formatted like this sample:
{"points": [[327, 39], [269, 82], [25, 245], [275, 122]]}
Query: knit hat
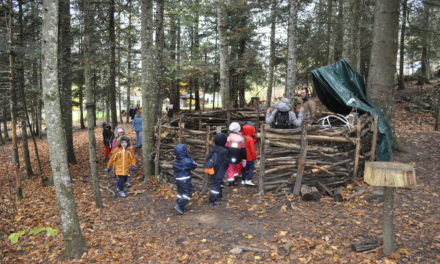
{"points": [[121, 130], [124, 138], [234, 127], [220, 139]]}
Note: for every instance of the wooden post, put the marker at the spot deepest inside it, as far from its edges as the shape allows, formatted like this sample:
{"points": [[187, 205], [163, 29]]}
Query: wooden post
{"points": [[389, 175], [228, 117], [181, 126], [262, 161], [301, 159], [207, 149], [374, 139], [200, 120], [258, 117], [388, 213], [357, 153], [157, 160]]}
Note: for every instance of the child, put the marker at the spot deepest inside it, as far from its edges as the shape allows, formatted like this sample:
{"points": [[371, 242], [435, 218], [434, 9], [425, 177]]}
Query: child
{"points": [[251, 155], [119, 133], [183, 166], [107, 136], [217, 159], [124, 162], [136, 125], [237, 153]]}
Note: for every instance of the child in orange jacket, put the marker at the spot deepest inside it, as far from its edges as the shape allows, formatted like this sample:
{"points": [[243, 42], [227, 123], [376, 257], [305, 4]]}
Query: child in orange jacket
{"points": [[124, 161], [248, 132]]}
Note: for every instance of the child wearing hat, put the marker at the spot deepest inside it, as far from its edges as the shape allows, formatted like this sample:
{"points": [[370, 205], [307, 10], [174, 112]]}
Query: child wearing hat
{"points": [[183, 166], [237, 153], [124, 161]]}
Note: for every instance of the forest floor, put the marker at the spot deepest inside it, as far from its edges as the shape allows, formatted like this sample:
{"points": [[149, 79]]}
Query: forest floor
{"points": [[144, 227]]}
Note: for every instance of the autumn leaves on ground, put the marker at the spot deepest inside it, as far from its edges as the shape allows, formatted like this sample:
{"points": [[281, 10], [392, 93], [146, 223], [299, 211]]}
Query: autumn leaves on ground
{"points": [[144, 228]]}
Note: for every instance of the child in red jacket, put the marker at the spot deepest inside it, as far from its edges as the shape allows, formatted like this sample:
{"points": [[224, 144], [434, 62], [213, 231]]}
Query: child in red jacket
{"points": [[248, 132]]}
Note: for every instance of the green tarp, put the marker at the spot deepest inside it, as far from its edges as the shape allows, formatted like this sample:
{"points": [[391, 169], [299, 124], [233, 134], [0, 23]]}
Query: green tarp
{"points": [[336, 84]]}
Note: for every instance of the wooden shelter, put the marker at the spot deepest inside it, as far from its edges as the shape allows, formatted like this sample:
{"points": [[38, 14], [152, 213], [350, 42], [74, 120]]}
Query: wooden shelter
{"points": [[335, 155]]}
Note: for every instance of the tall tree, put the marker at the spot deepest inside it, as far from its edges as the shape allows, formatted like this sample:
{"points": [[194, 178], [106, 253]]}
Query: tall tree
{"points": [[148, 85], [160, 65], [381, 80], [21, 90], [273, 16], [112, 70], [224, 54], [74, 242], [402, 45], [339, 40], [355, 34], [174, 89], [425, 65], [90, 105], [13, 102], [329, 30], [65, 68], [291, 50], [129, 57]]}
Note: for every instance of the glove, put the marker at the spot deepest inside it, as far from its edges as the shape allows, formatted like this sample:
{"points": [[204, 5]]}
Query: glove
{"points": [[132, 168], [243, 163], [108, 170]]}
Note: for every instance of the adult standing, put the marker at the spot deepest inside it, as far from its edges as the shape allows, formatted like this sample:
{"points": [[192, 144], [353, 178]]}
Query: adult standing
{"points": [[136, 125], [283, 116]]}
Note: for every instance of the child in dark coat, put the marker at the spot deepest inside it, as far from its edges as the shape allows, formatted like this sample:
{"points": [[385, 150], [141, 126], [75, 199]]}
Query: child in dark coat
{"points": [[107, 137], [183, 166], [220, 157]]}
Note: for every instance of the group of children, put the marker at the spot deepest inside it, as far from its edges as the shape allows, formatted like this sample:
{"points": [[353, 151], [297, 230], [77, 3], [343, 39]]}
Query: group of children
{"points": [[233, 155]]}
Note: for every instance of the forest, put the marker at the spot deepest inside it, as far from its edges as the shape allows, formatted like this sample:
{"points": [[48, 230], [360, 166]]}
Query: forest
{"points": [[188, 69]]}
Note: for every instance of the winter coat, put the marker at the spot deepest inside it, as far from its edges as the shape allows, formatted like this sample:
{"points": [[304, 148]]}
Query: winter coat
{"points": [[285, 107], [107, 136], [184, 164], [237, 147], [223, 155], [122, 159], [137, 123], [249, 133]]}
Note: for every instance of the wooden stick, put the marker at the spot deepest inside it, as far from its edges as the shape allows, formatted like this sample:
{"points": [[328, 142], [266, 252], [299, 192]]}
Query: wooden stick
{"points": [[301, 159], [312, 138], [374, 139], [207, 149], [358, 149], [262, 161], [156, 161]]}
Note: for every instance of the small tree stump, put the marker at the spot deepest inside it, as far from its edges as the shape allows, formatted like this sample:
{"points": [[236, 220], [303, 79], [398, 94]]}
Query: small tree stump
{"points": [[389, 175]]}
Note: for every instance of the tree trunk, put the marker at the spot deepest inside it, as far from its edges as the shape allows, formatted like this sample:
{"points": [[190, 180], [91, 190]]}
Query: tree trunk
{"points": [[20, 78], [425, 65], [13, 105], [339, 41], [65, 70], [174, 89], [160, 45], [289, 93], [224, 60], [2, 141], [272, 52], [388, 214], [196, 58], [5, 124], [381, 80], [402, 46], [129, 62], [112, 70], [74, 242], [90, 105], [329, 30], [148, 85], [81, 105], [355, 32]]}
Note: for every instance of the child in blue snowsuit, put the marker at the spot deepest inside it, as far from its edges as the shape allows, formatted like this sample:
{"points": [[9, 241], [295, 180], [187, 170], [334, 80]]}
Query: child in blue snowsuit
{"points": [[183, 166], [220, 166]]}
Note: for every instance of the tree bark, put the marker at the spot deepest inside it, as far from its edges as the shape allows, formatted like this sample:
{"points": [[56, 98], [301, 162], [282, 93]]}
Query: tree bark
{"points": [[425, 65], [355, 32], [224, 58], [339, 41], [20, 78], [13, 104], [5, 124], [273, 15], [196, 58], [129, 61], [289, 93], [160, 45], [402, 46], [90, 104], [112, 70], [381, 80], [74, 242], [65, 75], [148, 85], [329, 30]]}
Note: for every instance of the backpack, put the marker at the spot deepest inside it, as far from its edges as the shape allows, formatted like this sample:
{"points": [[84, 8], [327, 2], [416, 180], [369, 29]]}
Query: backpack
{"points": [[210, 163], [281, 120]]}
